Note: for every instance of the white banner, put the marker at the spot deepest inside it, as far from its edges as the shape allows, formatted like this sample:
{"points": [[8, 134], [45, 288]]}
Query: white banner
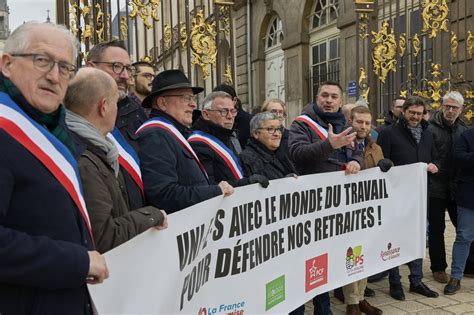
{"points": [[270, 250]]}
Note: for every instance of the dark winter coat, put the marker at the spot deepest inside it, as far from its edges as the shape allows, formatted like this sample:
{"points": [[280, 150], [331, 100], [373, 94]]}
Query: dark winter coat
{"points": [[257, 159], [172, 178], [310, 154], [398, 144], [442, 184], [242, 125], [113, 223], [44, 241], [464, 159], [215, 166], [388, 121]]}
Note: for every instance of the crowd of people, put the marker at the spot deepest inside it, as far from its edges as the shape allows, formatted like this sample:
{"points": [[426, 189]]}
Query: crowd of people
{"points": [[92, 157]]}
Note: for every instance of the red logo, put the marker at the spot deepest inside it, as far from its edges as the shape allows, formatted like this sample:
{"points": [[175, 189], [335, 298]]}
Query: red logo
{"points": [[316, 272], [202, 311]]}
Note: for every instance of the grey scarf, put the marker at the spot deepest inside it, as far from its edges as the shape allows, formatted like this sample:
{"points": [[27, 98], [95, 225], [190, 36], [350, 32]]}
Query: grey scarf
{"points": [[88, 131], [416, 132]]}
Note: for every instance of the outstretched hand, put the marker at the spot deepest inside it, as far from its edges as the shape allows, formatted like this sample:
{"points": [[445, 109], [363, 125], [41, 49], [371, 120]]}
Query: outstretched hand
{"points": [[342, 139]]}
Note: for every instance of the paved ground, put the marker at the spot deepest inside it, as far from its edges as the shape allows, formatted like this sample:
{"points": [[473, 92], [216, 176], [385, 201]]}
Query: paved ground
{"points": [[460, 303]]}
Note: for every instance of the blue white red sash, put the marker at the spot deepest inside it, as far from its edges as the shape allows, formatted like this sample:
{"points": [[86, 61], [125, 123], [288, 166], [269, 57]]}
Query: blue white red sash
{"points": [[163, 123], [54, 155], [320, 131], [230, 159], [128, 158]]}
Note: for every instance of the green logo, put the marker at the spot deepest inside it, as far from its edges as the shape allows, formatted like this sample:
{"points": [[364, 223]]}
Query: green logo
{"points": [[275, 292]]}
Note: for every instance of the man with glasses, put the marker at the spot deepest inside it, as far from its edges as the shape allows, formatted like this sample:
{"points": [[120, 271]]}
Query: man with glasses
{"points": [[112, 57], [446, 127], [216, 143], [318, 143], [46, 248], [409, 141], [141, 87], [173, 175]]}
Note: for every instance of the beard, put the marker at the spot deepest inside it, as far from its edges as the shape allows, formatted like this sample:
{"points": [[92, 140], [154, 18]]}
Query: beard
{"points": [[122, 94]]}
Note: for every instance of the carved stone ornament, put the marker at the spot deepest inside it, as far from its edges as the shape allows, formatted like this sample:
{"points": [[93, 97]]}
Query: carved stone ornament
{"points": [[203, 44], [385, 49]]}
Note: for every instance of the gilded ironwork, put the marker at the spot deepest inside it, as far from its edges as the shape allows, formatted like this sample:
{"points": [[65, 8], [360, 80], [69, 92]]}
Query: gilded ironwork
{"points": [[454, 44], [435, 13], [99, 23], [470, 43], [436, 85], [107, 26], [364, 84], [183, 35], [403, 93], [364, 5], [147, 59], [88, 34], [123, 27], [73, 19], [224, 12], [416, 45], [145, 9], [228, 75], [402, 44], [469, 115], [385, 49], [167, 36], [204, 49], [363, 25]]}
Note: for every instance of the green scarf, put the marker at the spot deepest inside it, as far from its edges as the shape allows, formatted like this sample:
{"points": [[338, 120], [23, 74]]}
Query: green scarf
{"points": [[54, 122]]}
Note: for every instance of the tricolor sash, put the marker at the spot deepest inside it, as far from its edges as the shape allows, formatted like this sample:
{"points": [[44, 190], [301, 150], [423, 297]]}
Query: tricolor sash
{"points": [[320, 130], [226, 154], [54, 155], [165, 124], [128, 158]]}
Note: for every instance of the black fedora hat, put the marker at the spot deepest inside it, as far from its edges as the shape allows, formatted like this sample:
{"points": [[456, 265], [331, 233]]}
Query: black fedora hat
{"points": [[169, 80]]}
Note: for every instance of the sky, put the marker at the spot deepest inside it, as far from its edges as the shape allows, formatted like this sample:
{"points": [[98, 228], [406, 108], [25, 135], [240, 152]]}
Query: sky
{"points": [[27, 10]]}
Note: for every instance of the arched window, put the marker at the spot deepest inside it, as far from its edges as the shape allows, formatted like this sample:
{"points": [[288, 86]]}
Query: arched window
{"points": [[325, 12], [275, 33]]}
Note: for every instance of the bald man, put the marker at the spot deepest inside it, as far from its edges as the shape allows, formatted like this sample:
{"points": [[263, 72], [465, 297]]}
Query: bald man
{"points": [[91, 99]]}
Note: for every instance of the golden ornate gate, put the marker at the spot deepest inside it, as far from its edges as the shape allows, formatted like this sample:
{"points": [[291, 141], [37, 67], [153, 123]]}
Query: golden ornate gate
{"points": [[415, 47], [192, 35]]}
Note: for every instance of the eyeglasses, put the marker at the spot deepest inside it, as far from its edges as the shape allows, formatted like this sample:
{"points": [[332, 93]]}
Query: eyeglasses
{"points": [[272, 130], [118, 67], [185, 97], [450, 107], [224, 111], [45, 64], [278, 112], [147, 75], [413, 113]]}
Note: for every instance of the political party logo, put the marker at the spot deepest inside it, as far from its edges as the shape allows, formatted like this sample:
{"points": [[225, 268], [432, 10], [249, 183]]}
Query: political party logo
{"points": [[390, 253], [275, 292], [316, 272], [202, 311], [236, 308], [354, 260]]}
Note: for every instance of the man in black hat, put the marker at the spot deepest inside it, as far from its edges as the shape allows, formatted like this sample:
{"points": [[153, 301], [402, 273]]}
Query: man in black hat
{"points": [[173, 176]]}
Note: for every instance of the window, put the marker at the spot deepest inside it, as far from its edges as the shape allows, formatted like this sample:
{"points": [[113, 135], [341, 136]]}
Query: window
{"points": [[275, 33], [325, 12], [325, 63]]}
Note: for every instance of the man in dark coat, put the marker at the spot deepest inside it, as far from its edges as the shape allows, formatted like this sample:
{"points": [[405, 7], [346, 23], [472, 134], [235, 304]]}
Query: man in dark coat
{"points": [[318, 143], [216, 144], [393, 114], [242, 120], [446, 127], [112, 57], [91, 100], [409, 141], [464, 158], [46, 250], [173, 176]]}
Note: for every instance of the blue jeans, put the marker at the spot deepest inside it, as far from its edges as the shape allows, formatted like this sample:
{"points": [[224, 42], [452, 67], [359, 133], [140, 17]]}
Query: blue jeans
{"points": [[462, 244], [321, 303], [416, 273]]}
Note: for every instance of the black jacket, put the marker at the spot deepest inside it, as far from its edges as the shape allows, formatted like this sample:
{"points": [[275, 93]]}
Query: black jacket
{"points": [[398, 144], [442, 184], [257, 159], [464, 159], [130, 116], [215, 166], [172, 178], [242, 125], [310, 154], [388, 121]]}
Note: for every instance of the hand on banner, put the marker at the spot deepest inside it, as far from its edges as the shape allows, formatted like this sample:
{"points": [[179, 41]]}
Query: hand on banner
{"points": [[295, 176], [98, 270], [432, 168], [257, 178], [352, 168], [226, 188], [342, 139], [164, 224]]}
